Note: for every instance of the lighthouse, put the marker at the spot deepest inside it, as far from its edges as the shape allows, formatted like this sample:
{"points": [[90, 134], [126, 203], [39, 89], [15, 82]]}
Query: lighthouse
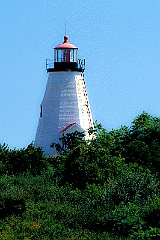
{"points": [[65, 107]]}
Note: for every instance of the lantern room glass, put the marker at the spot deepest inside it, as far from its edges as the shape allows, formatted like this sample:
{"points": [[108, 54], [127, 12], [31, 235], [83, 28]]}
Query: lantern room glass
{"points": [[66, 55]]}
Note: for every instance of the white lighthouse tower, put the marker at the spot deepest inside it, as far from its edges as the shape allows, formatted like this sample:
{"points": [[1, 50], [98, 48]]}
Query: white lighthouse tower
{"points": [[65, 107]]}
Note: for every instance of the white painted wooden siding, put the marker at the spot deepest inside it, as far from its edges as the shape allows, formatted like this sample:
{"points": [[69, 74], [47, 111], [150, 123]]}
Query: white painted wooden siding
{"points": [[65, 102]]}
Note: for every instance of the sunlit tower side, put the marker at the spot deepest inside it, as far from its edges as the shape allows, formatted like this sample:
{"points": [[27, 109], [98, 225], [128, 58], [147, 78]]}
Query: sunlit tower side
{"points": [[65, 107]]}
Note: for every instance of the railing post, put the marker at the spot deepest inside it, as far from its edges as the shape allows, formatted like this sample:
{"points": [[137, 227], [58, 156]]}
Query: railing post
{"points": [[46, 64]]}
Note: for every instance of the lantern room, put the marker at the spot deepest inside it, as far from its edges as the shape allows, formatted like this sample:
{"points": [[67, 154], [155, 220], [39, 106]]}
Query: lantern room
{"points": [[65, 58], [65, 52]]}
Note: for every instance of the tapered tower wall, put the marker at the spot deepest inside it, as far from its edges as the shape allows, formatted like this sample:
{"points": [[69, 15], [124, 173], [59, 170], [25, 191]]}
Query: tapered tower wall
{"points": [[65, 102]]}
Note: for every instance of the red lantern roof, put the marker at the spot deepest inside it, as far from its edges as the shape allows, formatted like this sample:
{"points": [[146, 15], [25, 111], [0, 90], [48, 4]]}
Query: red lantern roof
{"points": [[66, 44]]}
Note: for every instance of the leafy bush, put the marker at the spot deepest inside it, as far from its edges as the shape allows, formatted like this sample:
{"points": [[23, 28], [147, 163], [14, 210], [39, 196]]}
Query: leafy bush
{"points": [[85, 165], [139, 143], [133, 184], [105, 188], [20, 161]]}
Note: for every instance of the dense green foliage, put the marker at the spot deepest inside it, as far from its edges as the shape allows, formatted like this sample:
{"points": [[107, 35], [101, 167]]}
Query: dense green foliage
{"points": [[106, 188]]}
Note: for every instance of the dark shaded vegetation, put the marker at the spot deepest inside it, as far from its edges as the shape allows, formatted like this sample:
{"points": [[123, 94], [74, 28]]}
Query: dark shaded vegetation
{"points": [[105, 188]]}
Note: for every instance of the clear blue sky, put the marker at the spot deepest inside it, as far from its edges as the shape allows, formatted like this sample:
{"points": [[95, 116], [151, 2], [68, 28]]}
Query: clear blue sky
{"points": [[120, 40]]}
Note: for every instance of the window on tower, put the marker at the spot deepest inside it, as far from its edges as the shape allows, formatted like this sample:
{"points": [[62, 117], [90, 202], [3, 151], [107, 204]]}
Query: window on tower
{"points": [[41, 111]]}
